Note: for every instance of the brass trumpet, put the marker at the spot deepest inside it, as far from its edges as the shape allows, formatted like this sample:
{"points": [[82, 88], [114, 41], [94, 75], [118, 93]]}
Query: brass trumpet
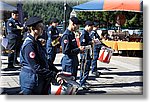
{"points": [[56, 41]]}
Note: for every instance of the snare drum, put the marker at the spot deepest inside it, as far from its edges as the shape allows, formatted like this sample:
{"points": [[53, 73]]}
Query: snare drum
{"points": [[105, 54], [67, 86]]}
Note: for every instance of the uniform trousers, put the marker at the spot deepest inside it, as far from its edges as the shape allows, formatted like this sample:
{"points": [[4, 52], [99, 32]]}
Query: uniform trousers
{"points": [[14, 44], [33, 84], [95, 58], [85, 68], [70, 64]]}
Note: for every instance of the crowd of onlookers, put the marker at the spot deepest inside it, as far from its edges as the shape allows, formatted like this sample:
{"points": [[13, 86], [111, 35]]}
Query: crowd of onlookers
{"points": [[126, 35]]}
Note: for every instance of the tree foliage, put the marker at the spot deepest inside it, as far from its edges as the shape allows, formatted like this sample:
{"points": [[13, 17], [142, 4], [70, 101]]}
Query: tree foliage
{"points": [[47, 9], [107, 19], [51, 9]]}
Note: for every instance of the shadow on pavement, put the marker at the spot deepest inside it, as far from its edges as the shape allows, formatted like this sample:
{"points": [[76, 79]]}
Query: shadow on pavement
{"points": [[57, 64], [132, 73], [108, 69], [106, 77], [10, 74], [3, 59], [89, 92], [11, 69], [4, 62], [116, 85], [10, 91]]}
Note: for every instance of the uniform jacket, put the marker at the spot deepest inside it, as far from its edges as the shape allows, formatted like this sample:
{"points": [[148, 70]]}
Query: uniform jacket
{"points": [[12, 28], [84, 41], [69, 49], [85, 38], [52, 34], [69, 43], [33, 57], [94, 35]]}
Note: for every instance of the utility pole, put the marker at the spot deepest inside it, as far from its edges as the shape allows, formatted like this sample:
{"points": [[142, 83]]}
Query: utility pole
{"points": [[64, 21], [20, 10], [78, 2]]}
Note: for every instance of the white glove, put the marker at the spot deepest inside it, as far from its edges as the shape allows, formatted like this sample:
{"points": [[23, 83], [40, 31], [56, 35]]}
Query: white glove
{"points": [[21, 28]]}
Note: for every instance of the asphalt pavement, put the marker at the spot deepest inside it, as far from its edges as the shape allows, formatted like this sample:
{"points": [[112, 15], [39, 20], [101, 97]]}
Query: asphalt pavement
{"points": [[122, 76]]}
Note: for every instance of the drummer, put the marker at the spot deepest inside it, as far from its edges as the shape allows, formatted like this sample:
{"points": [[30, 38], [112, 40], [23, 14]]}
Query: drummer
{"points": [[97, 46]]}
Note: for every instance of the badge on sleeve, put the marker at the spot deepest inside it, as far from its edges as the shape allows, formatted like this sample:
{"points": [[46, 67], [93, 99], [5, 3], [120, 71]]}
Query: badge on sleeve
{"points": [[49, 32], [10, 24], [81, 33], [74, 40], [65, 41], [83, 40], [32, 55]]}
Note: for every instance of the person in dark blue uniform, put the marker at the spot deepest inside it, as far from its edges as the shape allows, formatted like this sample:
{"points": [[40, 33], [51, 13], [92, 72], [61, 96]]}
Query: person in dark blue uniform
{"points": [[52, 44], [70, 49], [36, 72], [96, 48], [94, 35], [85, 57], [14, 38]]}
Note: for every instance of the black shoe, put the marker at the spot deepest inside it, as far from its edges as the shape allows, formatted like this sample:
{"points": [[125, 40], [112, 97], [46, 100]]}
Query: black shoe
{"points": [[17, 63], [96, 73], [85, 87], [86, 83], [10, 66]]}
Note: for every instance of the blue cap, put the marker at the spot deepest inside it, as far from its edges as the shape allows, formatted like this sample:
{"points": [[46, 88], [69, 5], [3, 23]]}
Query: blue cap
{"points": [[96, 24], [75, 20], [89, 23], [54, 20], [15, 12], [33, 20]]}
